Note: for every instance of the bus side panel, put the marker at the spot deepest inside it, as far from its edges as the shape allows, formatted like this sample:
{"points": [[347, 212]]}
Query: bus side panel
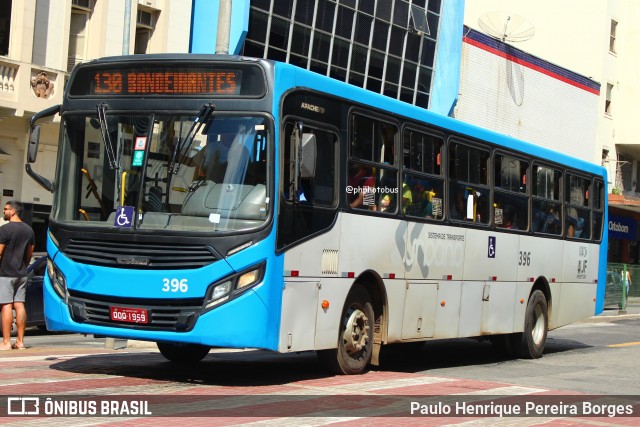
{"points": [[298, 319], [491, 255], [579, 282], [538, 259], [368, 241], [576, 302], [304, 324], [471, 307], [432, 251], [499, 311], [448, 310]]}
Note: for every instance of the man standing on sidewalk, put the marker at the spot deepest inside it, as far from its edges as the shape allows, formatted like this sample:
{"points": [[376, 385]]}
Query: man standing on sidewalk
{"points": [[16, 248]]}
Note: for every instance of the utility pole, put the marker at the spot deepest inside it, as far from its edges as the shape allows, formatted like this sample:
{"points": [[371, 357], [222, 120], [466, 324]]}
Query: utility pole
{"points": [[224, 26], [127, 27]]}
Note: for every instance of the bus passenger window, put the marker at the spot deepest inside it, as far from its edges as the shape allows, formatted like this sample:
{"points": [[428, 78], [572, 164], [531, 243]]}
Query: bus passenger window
{"points": [[424, 197], [361, 187], [511, 211], [546, 217], [469, 204], [577, 217]]}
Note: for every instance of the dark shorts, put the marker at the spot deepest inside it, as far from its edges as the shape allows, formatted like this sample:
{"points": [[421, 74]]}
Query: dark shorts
{"points": [[12, 289]]}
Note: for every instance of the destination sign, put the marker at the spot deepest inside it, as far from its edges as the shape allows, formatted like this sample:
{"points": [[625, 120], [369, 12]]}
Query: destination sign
{"points": [[168, 80], [166, 83]]}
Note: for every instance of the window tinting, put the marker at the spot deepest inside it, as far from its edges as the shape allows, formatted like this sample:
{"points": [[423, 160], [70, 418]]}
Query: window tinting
{"points": [[546, 213]]}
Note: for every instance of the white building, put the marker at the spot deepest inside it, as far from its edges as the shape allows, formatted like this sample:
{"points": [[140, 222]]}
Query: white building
{"points": [[513, 92], [595, 38], [40, 42], [598, 39]]}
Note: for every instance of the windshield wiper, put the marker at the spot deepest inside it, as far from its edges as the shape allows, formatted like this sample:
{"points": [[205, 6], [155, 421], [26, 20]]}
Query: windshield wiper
{"points": [[183, 145], [108, 145]]}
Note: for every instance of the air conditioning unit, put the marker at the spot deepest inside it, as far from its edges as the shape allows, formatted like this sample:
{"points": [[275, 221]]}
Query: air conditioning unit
{"points": [[83, 4], [145, 19]]}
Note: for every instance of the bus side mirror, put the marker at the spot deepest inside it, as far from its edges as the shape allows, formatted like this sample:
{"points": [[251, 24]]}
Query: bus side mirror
{"points": [[34, 141], [308, 156]]}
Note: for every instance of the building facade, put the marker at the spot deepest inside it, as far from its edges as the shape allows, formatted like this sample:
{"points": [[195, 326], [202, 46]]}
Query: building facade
{"points": [[513, 92], [40, 42], [388, 47], [598, 39]]}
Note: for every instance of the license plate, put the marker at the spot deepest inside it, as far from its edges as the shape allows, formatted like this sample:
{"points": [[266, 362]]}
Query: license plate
{"points": [[129, 315]]}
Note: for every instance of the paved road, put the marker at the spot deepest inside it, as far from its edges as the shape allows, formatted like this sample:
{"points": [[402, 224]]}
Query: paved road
{"points": [[261, 389]]}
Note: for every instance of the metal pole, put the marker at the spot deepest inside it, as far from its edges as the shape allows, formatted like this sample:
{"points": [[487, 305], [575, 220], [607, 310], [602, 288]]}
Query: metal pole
{"points": [[127, 27], [224, 27], [625, 281]]}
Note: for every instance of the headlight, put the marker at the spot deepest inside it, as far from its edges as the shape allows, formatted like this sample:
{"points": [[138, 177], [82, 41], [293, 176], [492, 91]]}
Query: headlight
{"points": [[57, 280], [222, 291], [249, 278]]}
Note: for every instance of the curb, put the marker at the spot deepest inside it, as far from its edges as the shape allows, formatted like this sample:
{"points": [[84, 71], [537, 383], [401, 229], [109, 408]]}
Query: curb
{"points": [[622, 315]]}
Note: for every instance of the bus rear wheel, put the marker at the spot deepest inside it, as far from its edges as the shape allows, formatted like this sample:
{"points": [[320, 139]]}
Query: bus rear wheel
{"points": [[355, 340], [530, 344], [183, 353]]}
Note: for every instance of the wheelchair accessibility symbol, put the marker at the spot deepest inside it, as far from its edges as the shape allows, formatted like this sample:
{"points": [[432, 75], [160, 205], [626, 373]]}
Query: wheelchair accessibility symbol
{"points": [[491, 249], [124, 217]]}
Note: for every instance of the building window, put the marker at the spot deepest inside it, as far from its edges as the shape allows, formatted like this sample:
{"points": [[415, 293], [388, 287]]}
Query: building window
{"points": [[80, 14], [145, 24], [385, 46], [5, 27], [608, 101], [612, 36]]}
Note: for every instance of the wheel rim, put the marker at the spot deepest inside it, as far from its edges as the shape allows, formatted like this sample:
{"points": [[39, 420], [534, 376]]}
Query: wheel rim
{"points": [[356, 333], [537, 332]]}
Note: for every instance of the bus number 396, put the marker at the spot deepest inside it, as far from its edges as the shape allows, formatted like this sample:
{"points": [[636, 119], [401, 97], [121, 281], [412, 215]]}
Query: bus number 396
{"points": [[174, 285], [525, 258]]}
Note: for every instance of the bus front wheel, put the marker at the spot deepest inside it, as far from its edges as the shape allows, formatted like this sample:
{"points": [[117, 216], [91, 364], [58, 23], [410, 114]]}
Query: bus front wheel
{"points": [[530, 344], [183, 353], [355, 339]]}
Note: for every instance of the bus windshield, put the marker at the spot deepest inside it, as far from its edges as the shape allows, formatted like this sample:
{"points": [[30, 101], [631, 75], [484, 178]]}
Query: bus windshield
{"points": [[142, 171]]}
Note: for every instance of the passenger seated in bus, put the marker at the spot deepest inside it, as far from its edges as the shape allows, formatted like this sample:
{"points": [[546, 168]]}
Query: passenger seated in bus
{"points": [[547, 220], [506, 217], [574, 223], [388, 199], [361, 193], [458, 210], [422, 196], [468, 205], [387, 196]]}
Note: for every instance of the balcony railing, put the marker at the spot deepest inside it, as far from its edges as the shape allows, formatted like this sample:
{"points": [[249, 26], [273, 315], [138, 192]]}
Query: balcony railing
{"points": [[21, 83]]}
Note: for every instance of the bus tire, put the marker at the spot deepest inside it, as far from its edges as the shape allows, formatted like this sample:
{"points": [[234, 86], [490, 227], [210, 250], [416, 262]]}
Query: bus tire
{"points": [[530, 344], [355, 339], [183, 353]]}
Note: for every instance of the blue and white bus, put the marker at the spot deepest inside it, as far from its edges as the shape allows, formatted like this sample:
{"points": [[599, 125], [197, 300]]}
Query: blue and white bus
{"points": [[217, 201]]}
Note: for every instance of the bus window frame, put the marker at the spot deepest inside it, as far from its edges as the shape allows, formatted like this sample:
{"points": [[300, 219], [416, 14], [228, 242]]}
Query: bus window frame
{"points": [[598, 210], [566, 203], [376, 166], [451, 182], [442, 177], [556, 201], [527, 194], [322, 127]]}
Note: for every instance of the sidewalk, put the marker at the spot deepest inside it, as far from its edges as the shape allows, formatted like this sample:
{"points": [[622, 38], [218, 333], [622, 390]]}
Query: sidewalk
{"points": [[611, 313]]}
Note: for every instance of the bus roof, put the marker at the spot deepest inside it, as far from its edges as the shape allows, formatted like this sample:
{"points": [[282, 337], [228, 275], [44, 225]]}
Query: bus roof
{"points": [[314, 81], [307, 79]]}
